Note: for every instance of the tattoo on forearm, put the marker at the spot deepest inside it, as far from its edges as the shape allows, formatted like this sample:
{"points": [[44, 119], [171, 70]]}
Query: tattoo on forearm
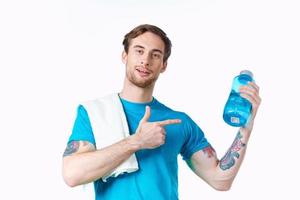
{"points": [[209, 151], [71, 148], [229, 159]]}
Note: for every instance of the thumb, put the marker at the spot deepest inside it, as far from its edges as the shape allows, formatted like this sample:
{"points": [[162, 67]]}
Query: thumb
{"points": [[146, 115]]}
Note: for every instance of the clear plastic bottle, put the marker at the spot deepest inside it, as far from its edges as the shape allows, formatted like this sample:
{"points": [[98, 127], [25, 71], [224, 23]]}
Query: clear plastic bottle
{"points": [[237, 109]]}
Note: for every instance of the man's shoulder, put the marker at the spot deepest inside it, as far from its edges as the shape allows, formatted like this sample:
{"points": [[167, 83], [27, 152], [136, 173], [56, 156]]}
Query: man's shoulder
{"points": [[173, 112]]}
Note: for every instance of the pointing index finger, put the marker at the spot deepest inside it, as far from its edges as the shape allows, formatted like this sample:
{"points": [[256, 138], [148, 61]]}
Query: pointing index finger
{"points": [[169, 121]]}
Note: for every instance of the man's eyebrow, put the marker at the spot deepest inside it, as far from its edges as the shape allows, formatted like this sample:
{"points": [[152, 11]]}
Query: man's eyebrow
{"points": [[157, 50], [138, 46], [153, 50]]}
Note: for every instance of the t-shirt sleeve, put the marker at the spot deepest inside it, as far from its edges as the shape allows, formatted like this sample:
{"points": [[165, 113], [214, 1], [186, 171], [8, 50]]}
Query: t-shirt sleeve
{"points": [[194, 139], [82, 129]]}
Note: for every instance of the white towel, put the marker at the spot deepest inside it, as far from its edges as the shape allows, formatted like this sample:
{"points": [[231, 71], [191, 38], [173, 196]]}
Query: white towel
{"points": [[109, 126]]}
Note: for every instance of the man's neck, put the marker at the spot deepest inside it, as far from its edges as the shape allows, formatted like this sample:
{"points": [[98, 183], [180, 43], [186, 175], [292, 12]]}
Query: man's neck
{"points": [[136, 94]]}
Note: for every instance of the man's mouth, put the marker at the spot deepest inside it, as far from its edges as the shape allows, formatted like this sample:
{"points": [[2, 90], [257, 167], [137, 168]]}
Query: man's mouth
{"points": [[142, 71]]}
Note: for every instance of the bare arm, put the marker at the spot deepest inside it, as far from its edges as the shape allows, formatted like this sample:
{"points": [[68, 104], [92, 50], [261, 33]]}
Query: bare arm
{"points": [[82, 163], [221, 173]]}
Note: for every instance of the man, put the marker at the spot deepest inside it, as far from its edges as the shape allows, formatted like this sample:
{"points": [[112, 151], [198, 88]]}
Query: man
{"points": [[157, 134]]}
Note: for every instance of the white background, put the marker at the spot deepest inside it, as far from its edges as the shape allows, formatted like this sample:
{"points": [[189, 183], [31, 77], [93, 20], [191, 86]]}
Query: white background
{"points": [[54, 54]]}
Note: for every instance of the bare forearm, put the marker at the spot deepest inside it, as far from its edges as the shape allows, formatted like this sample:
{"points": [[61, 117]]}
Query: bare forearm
{"points": [[220, 173], [230, 163], [90, 166]]}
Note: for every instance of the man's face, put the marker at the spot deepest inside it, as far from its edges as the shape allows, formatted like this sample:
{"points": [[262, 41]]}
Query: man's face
{"points": [[144, 60]]}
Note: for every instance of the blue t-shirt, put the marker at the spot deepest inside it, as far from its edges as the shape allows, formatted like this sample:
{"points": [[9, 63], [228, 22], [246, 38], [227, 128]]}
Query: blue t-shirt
{"points": [[157, 175]]}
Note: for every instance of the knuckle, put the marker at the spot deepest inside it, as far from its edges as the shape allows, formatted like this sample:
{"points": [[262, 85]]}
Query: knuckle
{"points": [[159, 128]]}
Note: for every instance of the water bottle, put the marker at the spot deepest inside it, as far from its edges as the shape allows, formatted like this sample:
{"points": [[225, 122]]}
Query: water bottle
{"points": [[237, 109]]}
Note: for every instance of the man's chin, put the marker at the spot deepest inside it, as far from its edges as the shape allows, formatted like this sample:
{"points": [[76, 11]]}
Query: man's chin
{"points": [[143, 84]]}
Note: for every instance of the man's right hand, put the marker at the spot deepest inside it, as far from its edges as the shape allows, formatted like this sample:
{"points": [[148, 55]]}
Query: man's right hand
{"points": [[150, 135]]}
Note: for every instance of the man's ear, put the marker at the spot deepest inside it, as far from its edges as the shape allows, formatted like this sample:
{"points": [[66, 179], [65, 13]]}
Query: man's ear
{"points": [[164, 67], [124, 57]]}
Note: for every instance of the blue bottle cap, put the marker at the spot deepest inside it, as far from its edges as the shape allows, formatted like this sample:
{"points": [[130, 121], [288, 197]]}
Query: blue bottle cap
{"points": [[247, 72]]}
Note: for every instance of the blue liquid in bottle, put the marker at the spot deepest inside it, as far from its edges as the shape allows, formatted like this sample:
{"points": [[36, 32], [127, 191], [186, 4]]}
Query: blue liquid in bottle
{"points": [[237, 109]]}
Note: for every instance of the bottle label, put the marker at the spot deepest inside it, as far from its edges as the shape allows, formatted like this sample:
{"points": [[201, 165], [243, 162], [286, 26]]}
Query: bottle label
{"points": [[235, 120]]}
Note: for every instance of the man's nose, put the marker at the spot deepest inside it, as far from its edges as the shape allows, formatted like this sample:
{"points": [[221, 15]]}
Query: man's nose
{"points": [[146, 60]]}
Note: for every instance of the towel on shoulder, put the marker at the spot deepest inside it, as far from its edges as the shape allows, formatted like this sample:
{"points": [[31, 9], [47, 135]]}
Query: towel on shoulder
{"points": [[109, 126]]}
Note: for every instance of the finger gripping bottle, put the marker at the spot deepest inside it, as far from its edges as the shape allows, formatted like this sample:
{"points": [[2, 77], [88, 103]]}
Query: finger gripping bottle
{"points": [[237, 109]]}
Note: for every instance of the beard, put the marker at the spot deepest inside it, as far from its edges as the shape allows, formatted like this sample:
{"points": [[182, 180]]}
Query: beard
{"points": [[142, 83]]}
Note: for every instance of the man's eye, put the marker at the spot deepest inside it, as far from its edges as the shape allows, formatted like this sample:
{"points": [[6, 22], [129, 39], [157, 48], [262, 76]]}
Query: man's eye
{"points": [[156, 55], [139, 51]]}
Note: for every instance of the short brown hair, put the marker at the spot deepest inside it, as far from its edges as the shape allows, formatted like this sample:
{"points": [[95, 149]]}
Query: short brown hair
{"points": [[139, 30]]}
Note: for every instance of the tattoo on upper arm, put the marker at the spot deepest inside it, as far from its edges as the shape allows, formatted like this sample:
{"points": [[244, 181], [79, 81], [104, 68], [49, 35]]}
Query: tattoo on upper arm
{"points": [[209, 151], [229, 159], [71, 148]]}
